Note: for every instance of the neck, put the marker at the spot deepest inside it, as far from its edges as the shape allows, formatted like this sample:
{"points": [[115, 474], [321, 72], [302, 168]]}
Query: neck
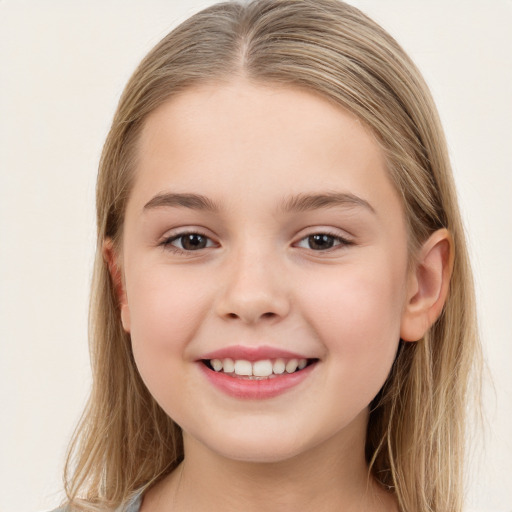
{"points": [[331, 476]]}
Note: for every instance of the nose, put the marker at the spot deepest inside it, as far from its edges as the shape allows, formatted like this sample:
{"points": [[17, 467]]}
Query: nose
{"points": [[254, 290]]}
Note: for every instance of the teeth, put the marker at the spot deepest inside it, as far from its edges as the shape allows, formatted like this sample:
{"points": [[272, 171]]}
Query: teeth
{"points": [[262, 368], [279, 366], [291, 365], [228, 365], [216, 364], [243, 367]]}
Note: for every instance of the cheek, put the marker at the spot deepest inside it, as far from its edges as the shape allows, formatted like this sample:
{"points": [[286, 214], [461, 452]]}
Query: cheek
{"points": [[165, 312], [357, 317]]}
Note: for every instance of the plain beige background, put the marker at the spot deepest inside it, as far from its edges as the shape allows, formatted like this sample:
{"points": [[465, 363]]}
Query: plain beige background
{"points": [[62, 67]]}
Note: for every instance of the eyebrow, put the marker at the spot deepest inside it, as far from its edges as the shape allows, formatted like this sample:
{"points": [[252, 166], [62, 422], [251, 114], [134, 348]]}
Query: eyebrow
{"points": [[192, 201], [304, 202], [294, 203]]}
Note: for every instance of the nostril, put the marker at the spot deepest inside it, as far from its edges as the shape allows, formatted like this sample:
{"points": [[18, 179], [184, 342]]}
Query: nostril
{"points": [[264, 315]]}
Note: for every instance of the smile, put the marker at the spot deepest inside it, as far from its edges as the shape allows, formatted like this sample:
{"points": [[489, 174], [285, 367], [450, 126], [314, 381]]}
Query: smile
{"points": [[255, 373], [257, 370]]}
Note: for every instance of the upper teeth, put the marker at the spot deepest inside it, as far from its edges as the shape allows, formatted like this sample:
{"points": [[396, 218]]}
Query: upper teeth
{"points": [[263, 368]]}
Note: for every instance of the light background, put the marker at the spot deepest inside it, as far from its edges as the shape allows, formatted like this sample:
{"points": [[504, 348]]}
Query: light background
{"points": [[62, 67]]}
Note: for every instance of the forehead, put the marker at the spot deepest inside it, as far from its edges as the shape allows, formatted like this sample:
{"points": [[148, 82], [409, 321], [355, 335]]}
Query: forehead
{"points": [[245, 112], [224, 139]]}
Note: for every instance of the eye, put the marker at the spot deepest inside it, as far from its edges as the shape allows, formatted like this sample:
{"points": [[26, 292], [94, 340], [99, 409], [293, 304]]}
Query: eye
{"points": [[188, 242], [322, 242]]}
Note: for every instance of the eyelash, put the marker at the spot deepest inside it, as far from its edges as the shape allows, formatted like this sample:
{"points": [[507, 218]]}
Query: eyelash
{"points": [[168, 242], [337, 240]]}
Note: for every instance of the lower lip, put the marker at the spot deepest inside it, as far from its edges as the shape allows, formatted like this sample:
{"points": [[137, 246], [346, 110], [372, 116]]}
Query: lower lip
{"points": [[256, 389]]}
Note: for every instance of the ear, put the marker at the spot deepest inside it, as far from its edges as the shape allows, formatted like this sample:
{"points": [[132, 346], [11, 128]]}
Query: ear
{"points": [[428, 285], [111, 257]]}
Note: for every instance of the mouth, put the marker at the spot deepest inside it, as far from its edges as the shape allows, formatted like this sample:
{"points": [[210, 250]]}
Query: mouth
{"points": [[256, 373], [263, 369]]}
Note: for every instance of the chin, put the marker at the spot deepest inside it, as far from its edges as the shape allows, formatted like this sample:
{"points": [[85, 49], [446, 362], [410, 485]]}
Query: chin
{"points": [[254, 445], [258, 454]]}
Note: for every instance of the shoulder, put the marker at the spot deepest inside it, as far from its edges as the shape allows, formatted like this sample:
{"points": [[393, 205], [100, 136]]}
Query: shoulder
{"points": [[132, 505]]}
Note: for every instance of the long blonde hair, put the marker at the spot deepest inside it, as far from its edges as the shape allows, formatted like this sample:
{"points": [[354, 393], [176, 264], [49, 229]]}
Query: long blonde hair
{"points": [[415, 438]]}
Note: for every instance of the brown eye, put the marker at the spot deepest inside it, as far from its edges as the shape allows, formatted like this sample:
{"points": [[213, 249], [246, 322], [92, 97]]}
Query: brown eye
{"points": [[323, 242], [320, 242], [189, 242], [193, 242]]}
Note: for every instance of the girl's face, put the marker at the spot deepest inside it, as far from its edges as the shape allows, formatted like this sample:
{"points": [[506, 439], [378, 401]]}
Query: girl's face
{"points": [[262, 233]]}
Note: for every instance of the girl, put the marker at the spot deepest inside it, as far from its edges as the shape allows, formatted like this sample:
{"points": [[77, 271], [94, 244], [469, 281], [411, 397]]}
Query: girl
{"points": [[282, 310]]}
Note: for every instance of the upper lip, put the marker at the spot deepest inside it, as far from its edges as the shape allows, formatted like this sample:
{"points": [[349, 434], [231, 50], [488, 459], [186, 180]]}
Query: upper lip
{"points": [[252, 353]]}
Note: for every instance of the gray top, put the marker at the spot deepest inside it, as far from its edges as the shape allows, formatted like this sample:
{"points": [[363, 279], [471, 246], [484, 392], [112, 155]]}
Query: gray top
{"points": [[132, 506]]}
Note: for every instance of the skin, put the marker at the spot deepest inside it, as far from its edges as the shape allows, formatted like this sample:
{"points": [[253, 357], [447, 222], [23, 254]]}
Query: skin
{"points": [[249, 148]]}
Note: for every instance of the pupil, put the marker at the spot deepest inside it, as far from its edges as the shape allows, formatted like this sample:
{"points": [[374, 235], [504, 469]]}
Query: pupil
{"points": [[319, 242], [192, 242]]}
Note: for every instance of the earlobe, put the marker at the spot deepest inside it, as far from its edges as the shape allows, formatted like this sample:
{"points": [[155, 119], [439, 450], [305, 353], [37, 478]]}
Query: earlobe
{"points": [[111, 258], [428, 285]]}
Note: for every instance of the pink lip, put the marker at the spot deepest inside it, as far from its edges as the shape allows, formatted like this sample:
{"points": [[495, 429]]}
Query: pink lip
{"points": [[252, 353], [255, 389]]}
